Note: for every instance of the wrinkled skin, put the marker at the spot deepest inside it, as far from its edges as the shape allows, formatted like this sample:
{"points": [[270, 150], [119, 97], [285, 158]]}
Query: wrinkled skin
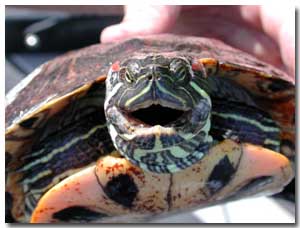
{"points": [[141, 83]]}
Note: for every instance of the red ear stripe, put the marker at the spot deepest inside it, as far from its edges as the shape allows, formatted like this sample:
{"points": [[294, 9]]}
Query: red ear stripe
{"points": [[115, 66]]}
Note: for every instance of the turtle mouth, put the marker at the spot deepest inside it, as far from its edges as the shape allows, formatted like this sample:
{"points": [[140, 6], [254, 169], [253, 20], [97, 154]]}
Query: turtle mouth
{"points": [[156, 115]]}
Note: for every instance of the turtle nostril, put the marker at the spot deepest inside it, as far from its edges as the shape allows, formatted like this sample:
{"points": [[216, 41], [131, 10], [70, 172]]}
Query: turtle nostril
{"points": [[150, 77]]}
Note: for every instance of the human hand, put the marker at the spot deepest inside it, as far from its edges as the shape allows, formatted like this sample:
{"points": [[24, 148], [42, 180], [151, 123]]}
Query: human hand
{"points": [[264, 31]]}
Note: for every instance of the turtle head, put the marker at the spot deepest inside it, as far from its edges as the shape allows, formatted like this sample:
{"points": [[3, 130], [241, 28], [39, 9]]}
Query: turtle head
{"points": [[153, 80], [158, 116]]}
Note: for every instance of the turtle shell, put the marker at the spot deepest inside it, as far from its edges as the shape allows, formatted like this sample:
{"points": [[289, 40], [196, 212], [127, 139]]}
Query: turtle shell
{"points": [[62, 101]]}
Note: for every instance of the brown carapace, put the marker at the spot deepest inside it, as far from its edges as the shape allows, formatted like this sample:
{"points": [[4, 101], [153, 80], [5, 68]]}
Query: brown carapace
{"points": [[62, 164]]}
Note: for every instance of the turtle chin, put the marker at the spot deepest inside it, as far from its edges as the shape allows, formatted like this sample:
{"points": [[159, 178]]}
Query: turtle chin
{"points": [[158, 138]]}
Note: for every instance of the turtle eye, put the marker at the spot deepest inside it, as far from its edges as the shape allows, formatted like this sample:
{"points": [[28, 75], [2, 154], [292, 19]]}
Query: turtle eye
{"points": [[125, 75], [179, 70], [128, 77]]}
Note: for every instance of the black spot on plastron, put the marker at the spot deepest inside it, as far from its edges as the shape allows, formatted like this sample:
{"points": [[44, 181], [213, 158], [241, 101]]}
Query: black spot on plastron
{"points": [[8, 207], [29, 122], [220, 175], [79, 214], [122, 190]]}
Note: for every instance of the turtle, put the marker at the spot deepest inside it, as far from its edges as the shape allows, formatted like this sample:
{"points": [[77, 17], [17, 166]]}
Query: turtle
{"points": [[146, 126]]}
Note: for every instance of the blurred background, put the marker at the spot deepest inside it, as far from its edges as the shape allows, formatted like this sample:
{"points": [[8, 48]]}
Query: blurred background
{"points": [[36, 34]]}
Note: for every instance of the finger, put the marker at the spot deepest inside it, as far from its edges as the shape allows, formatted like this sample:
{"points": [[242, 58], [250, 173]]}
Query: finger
{"points": [[141, 20], [251, 14], [231, 28], [280, 25]]}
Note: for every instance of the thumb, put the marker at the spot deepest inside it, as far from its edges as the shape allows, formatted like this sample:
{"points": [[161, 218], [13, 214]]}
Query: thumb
{"points": [[141, 20], [280, 25]]}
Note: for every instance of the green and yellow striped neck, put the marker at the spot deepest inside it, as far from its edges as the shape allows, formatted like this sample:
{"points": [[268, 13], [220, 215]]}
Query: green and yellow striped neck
{"points": [[157, 113]]}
